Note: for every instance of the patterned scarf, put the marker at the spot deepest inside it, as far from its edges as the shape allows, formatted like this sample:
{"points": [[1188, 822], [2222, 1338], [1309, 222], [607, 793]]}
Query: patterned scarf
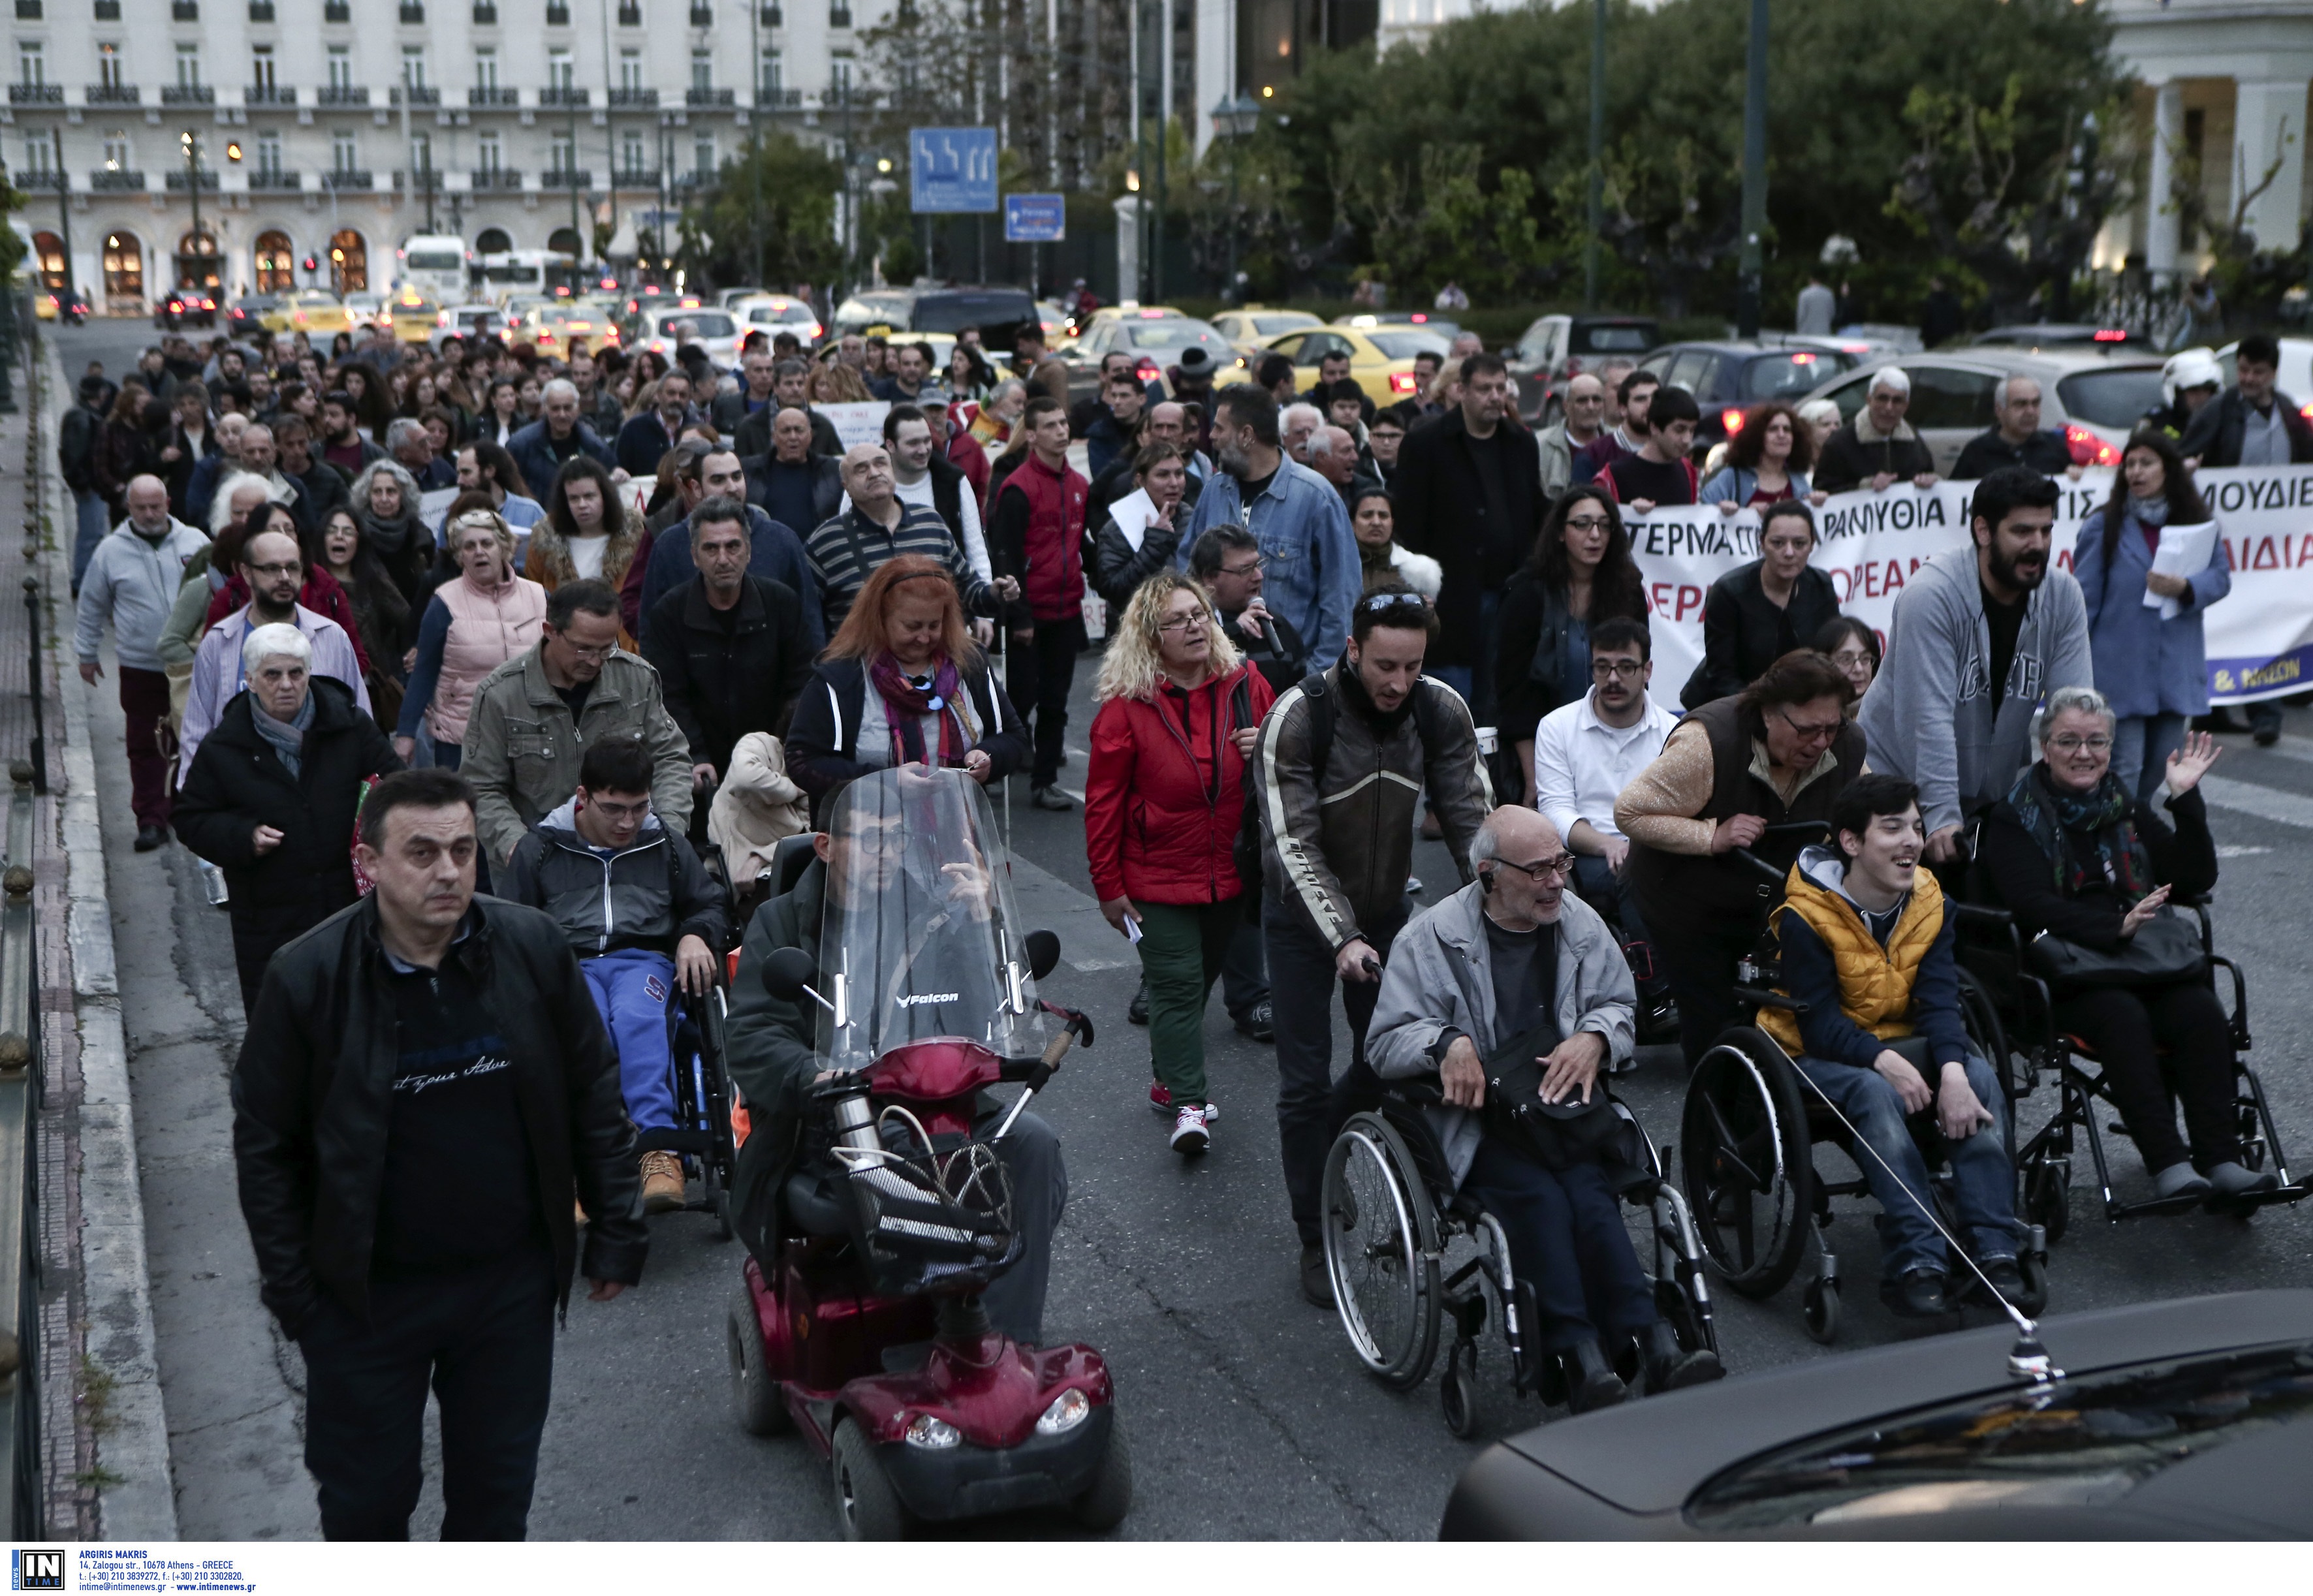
{"points": [[2063, 823], [907, 704]]}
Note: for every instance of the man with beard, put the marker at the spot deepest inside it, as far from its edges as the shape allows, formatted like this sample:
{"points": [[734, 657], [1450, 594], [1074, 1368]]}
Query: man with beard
{"points": [[274, 567], [1979, 637]]}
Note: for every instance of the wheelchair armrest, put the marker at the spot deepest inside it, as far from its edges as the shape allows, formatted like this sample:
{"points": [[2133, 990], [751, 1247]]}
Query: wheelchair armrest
{"points": [[2240, 1034], [1417, 1092], [1767, 998], [1980, 915]]}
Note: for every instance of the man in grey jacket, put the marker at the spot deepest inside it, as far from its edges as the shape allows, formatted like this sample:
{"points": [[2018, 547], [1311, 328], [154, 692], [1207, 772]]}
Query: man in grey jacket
{"points": [[1514, 957], [132, 578], [1979, 636]]}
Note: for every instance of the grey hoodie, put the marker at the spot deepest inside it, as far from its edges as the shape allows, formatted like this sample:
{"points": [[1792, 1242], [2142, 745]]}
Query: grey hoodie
{"points": [[135, 584], [1440, 977], [1930, 715]]}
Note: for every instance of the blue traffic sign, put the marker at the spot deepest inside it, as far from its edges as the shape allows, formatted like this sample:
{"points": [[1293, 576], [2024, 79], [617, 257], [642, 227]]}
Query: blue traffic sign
{"points": [[1035, 218], [952, 169]]}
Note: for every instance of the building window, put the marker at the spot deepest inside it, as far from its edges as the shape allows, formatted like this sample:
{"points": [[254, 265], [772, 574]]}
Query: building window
{"points": [[563, 154], [838, 78], [488, 153], [768, 78], [269, 154], [341, 67], [702, 155], [557, 69], [108, 65], [486, 69], [189, 67], [31, 62], [421, 151], [557, 14], [630, 13], [261, 66], [37, 153], [630, 151], [702, 69], [344, 155], [116, 150], [413, 65], [631, 70]]}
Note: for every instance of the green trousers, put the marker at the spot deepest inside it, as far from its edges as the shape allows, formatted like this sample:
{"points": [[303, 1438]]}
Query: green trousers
{"points": [[1181, 946]]}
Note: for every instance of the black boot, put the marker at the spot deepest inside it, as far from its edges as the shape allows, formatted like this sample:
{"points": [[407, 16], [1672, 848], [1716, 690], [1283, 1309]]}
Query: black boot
{"points": [[1670, 1366], [1592, 1383]]}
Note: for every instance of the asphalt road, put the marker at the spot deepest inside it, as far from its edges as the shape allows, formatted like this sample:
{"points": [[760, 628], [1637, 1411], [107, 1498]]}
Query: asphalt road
{"points": [[1248, 1414]]}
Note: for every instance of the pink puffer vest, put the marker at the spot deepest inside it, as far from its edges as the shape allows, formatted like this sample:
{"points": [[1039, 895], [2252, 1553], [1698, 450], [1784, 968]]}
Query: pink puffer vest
{"points": [[485, 631]]}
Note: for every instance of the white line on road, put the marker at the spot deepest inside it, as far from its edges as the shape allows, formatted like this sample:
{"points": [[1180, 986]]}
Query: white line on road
{"points": [[2289, 808], [2236, 852]]}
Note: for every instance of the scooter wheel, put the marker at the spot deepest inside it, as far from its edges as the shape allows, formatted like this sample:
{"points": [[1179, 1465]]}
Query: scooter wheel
{"points": [[865, 1501], [1109, 1498], [762, 1410]]}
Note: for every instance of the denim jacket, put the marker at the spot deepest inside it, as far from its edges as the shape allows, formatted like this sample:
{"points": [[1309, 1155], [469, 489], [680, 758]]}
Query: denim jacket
{"points": [[1313, 573]]}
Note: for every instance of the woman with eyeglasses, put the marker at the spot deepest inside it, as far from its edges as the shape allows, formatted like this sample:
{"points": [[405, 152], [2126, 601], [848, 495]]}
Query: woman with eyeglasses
{"points": [[2075, 853], [1704, 796], [1767, 462], [1179, 712], [474, 623], [1854, 648], [1758, 613], [1580, 572]]}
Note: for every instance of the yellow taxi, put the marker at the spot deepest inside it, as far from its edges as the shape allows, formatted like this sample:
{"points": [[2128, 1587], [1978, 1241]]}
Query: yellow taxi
{"points": [[552, 329], [414, 316], [1381, 358], [310, 312]]}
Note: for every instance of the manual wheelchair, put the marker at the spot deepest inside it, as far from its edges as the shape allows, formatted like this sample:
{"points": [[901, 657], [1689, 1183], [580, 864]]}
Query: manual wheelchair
{"points": [[1390, 1217], [1751, 1123]]}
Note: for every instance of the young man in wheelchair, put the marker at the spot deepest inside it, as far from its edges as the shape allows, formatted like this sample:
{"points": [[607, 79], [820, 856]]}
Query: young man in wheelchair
{"points": [[643, 916], [1509, 977], [1867, 942]]}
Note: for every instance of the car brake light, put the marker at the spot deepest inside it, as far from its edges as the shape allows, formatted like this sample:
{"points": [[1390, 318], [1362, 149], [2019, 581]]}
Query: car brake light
{"points": [[1417, 317], [2306, 411], [2088, 448], [2109, 335], [1731, 418], [1146, 369], [1399, 382], [1804, 358]]}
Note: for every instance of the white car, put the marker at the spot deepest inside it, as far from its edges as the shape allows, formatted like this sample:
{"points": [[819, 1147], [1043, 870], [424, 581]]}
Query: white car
{"points": [[2296, 376], [366, 311], [466, 321], [776, 313], [716, 331], [2094, 400]]}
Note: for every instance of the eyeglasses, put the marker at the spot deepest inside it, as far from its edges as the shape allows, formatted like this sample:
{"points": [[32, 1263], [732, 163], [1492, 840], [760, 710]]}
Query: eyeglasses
{"points": [[619, 811], [1258, 562], [1822, 733], [1620, 670], [1847, 659], [2070, 744], [286, 569], [1184, 623], [604, 653], [1542, 871], [1587, 523]]}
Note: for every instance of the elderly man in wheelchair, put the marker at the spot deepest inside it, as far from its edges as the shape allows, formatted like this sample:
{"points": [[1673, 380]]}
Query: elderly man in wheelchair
{"points": [[1873, 1021], [1512, 997]]}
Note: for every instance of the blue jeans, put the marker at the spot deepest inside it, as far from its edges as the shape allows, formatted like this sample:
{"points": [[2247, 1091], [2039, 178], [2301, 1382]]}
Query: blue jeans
{"points": [[94, 522], [1983, 1181], [2140, 746], [1475, 682], [631, 987]]}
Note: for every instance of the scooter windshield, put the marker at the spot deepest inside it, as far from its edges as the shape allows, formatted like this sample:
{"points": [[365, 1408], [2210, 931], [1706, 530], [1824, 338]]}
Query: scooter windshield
{"points": [[921, 938]]}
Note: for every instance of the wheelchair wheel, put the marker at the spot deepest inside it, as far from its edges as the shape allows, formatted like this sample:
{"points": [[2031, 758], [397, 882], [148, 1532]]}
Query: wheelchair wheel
{"points": [[1458, 1390], [2047, 1198], [1748, 1166], [2033, 1300], [1820, 1309], [1109, 1497], [1381, 1252]]}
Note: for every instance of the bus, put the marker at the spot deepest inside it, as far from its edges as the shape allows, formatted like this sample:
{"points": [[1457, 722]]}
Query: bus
{"points": [[528, 271], [435, 264]]}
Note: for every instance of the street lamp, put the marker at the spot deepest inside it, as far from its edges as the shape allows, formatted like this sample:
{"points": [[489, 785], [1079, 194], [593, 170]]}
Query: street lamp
{"points": [[1235, 117]]}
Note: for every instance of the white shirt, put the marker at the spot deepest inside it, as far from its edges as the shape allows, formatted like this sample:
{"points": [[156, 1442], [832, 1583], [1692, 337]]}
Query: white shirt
{"points": [[919, 492], [586, 554], [1581, 763]]}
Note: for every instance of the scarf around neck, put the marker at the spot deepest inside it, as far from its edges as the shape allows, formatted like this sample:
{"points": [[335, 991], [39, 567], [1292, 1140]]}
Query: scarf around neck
{"points": [[910, 699], [2089, 838], [287, 737]]}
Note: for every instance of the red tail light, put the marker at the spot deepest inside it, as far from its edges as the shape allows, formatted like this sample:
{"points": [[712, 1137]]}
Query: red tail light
{"points": [[1731, 420], [2088, 448], [1418, 317], [2109, 335], [1399, 382], [1147, 370], [1803, 357]]}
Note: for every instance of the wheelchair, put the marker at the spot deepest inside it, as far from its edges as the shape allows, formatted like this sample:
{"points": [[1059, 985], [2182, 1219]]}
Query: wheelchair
{"points": [[1751, 1123], [702, 1135], [1390, 1215], [1992, 952]]}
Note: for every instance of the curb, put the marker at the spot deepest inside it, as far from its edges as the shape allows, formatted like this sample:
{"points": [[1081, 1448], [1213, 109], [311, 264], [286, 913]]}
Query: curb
{"points": [[132, 1446]]}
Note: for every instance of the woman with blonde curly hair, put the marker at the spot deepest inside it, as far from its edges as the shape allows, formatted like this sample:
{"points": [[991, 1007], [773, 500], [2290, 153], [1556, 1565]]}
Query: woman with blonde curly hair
{"points": [[831, 383], [1164, 800]]}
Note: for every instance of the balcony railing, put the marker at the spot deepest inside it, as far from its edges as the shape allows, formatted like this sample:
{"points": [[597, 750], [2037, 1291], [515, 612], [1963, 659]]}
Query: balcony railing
{"points": [[36, 93], [637, 177], [347, 177], [560, 96], [632, 99], [188, 94], [51, 181], [176, 180], [416, 94], [774, 98], [505, 179], [341, 94], [110, 181], [565, 177], [269, 95], [491, 94], [266, 181], [709, 98], [112, 95]]}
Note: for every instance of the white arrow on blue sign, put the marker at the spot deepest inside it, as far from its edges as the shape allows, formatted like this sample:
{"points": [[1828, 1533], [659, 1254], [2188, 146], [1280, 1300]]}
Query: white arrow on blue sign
{"points": [[952, 170], [1035, 218]]}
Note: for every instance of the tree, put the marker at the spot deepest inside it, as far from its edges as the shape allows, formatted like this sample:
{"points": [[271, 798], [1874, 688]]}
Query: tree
{"points": [[769, 216]]}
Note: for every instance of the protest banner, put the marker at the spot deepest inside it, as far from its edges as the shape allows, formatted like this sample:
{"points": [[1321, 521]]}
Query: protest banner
{"points": [[856, 424]]}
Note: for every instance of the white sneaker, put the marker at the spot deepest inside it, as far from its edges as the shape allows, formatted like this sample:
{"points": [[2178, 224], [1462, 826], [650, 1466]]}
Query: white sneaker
{"points": [[1190, 1134], [1160, 1102]]}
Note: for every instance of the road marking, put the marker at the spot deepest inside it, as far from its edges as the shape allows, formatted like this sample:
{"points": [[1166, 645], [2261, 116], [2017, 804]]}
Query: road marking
{"points": [[2234, 852], [2288, 809], [2290, 747]]}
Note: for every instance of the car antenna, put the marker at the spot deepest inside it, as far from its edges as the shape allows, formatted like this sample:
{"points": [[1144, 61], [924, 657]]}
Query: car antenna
{"points": [[2027, 1359]]}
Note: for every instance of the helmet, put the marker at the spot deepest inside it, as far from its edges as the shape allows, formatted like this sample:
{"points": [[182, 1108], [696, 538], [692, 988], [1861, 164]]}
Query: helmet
{"points": [[2189, 368]]}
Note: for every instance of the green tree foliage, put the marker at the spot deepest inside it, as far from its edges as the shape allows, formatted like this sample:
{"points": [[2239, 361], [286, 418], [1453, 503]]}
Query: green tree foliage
{"points": [[1892, 122], [769, 217]]}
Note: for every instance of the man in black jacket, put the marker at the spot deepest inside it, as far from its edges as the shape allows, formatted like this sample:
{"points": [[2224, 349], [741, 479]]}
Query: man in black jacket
{"points": [[1878, 448], [642, 915], [76, 441], [1468, 491], [791, 480], [732, 649], [2016, 438], [421, 1087], [271, 794], [789, 380]]}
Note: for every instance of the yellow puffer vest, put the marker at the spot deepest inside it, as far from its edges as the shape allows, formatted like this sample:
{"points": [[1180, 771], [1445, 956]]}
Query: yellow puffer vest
{"points": [[1875, 983]]}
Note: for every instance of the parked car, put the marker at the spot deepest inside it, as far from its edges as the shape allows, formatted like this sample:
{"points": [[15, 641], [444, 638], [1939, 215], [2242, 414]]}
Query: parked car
{"points": [[2057, 335], [1729, 376], [776, 313], [1248, 330], [2096, 400], [1381, 358], [186, 307], [998, 313], [715, 331], [468, 321], [246, 315], [1154, 342], [1555, 349], [2189, 1419]]}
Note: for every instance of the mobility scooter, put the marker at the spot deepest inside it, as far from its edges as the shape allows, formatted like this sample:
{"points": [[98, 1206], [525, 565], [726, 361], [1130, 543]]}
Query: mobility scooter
{"points": [[866, 1330]]}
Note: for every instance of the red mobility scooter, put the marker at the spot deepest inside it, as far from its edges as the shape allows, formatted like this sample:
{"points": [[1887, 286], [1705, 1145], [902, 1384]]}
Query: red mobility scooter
{"points": [[866, 1331]]}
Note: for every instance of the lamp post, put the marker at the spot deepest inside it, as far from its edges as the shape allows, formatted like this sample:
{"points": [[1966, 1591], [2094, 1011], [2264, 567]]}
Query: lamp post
{"points": [[1597, 216], [63, 216], [1235, 117], [1753, 265], [193, 187]]}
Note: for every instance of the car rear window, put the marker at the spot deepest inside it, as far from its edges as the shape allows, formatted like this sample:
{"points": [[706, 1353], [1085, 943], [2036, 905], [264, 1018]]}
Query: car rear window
{"points": [[1269, 327], [953, 312], [1791, 372], [2117, 398], [1405, 345], [708, 324], [1174, 335], [794, 310], [1627, 338]]}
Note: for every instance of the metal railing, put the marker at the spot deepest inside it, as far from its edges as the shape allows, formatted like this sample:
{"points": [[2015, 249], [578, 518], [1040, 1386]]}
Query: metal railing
{"points": [[36, 93], [269, 95], [632, 99], [565, 177], [188, 94], [20, 1103], [712, 98], [48, 180], [113, 94], [176, 183], [559, 94], [264, 180], [115, 182], [341, 94], [492, 94], [416, 94], [494, 177], [347, 177]]}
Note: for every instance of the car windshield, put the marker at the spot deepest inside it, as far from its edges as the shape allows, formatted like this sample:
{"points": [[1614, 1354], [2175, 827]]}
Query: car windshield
{"points": [[2085, 1442], [1174, 335], [953, 312], [1789, 374], [1269, 327], [1405, 345], [706, 324], [2115, 398], [1614, 337], [919, 925], [793, 310]]}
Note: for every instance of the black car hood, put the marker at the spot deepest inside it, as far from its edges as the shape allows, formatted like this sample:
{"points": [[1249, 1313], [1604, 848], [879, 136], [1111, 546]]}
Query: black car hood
{"points": [[1649, 1457]]}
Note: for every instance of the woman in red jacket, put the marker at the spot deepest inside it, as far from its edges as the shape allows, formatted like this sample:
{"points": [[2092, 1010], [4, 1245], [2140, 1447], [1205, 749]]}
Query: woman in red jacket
{"points": [[1179, 711]]}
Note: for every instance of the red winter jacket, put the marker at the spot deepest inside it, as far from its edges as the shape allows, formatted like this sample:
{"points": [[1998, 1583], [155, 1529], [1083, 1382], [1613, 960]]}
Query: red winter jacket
{"points": [[1036, 529], [1166, 791]]}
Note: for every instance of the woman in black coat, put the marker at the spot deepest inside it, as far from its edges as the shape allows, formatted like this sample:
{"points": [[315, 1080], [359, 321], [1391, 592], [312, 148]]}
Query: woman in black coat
{"points": [[1758, 613], [272, 796]]}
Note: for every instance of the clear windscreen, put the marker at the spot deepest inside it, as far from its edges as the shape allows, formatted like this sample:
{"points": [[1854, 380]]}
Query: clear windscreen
{"points": [[919, 925]]}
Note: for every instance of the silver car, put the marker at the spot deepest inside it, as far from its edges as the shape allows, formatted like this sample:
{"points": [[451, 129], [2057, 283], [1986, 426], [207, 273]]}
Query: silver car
{"points": [[2094, 400]]}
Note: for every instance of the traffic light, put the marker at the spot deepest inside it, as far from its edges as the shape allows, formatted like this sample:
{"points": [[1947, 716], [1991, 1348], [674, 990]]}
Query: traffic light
{"points": [[311, 265]]}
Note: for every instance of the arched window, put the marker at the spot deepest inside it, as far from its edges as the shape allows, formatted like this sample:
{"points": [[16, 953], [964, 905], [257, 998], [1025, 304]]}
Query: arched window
{"points": [[197, 260], [276, 259], [124, 271], [563, 240], [56, 272], [493, 241], [348, 261]]}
